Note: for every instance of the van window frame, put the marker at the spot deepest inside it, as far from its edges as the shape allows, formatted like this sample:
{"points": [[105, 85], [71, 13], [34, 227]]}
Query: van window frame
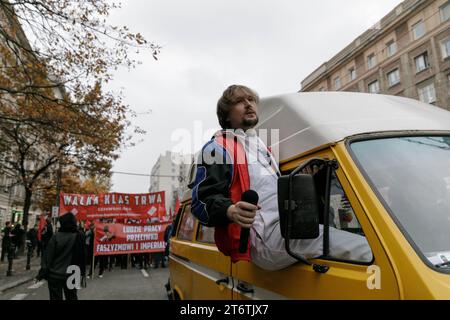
{"points": [[388, 135], [194, 228], [329, 157], [331, 258], [176, 221]]}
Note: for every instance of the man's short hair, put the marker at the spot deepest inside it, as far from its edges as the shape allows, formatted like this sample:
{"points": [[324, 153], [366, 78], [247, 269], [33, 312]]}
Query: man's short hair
{"points": [[229, 99]]}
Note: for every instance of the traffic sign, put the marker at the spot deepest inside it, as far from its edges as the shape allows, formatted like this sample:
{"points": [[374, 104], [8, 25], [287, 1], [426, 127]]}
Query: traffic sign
{"points": [[55, 212]]}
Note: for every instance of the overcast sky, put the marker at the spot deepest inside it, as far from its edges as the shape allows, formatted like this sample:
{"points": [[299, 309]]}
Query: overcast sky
{"points": [[270, 46]]}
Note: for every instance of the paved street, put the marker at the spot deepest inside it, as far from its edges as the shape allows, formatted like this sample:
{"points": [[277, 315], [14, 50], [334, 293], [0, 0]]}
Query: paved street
{"points": [[19, 273], [128, 284]]}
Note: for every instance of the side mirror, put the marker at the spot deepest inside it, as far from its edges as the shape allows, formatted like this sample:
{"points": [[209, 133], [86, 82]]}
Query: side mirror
{"points": [[299, 213]]}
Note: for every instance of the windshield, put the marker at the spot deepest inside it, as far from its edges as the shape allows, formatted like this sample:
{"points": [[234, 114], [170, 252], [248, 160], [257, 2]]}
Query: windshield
{"points": [[412, 175]]}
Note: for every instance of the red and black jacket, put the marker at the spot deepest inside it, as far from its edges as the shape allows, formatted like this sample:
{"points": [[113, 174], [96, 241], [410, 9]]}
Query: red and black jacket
{"points": [[221, 178]]}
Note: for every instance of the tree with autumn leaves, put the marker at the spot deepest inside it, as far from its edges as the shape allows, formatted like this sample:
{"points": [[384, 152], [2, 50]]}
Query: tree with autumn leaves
{"points": [[70, 183], [55, 115]]}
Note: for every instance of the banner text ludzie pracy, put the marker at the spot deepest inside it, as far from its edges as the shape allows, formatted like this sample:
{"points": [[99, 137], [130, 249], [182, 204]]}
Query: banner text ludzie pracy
{"points": [[114, 205], [118, 238]]}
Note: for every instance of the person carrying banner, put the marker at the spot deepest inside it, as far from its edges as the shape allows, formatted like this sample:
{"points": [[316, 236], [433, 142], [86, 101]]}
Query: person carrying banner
{"points": [[89, 235], [67, 248]]}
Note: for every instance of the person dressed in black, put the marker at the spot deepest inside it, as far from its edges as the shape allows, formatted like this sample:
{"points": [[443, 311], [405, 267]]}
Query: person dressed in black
{"points": [[18, 238], [167, 236], [6, 239], [32, 239], [66, 248], [47, 234], [90, 234]]}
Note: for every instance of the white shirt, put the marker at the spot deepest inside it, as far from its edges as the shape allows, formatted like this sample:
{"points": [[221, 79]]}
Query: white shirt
{"points": [[263, 173]]}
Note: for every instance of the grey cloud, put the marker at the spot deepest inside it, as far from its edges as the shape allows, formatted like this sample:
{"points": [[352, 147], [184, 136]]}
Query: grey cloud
{"points": [[208, 44]]}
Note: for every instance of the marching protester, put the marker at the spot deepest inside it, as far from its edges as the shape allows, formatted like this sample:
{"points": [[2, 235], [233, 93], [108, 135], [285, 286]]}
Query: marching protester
{"points": [[41, 226], [6, 239], [46, 234], [32, 238], [90, 234], [66, 248], [103, 262], [18, 238], [167, 236]]}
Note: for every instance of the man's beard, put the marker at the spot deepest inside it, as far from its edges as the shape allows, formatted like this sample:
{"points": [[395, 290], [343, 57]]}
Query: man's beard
{"points": [[250, 123]]}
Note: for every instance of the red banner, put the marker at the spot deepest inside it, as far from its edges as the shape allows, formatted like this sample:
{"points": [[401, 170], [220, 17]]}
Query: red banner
{"points": [[141, 206], [118, 238]]}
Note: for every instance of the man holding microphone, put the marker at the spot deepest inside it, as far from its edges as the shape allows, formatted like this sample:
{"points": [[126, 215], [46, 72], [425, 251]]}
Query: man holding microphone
{"points": [[235, 191]]}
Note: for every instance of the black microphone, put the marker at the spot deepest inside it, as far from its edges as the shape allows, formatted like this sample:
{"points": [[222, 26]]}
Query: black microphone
{"points": [[249, 196]]}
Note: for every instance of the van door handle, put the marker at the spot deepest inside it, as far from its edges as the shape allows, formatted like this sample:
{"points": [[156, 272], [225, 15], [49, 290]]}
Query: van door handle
{"points": [[243, 288], [224, 280]]}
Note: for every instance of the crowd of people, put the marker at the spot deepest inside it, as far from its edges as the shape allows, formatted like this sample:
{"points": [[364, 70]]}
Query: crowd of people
{"points": [[136, 260], [13, 239], [73, 244]]}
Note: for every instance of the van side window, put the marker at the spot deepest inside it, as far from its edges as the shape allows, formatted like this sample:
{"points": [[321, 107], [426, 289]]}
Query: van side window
{"points": [[341, 214], [205, 234], [186, 230]]}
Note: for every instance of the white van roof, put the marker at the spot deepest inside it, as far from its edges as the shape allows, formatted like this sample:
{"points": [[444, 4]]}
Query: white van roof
{"points": [[310, 120]]}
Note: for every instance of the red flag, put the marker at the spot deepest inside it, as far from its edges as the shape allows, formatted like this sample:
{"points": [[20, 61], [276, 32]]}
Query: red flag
{"points": [[177, 205], [41, 226], [170, 213]]}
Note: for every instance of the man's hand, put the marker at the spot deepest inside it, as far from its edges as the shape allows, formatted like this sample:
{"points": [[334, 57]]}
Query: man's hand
{"points": [[242, 213]]}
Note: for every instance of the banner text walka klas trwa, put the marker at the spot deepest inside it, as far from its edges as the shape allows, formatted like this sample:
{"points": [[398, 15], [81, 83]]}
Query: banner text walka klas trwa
{"points": [[139, 220]]}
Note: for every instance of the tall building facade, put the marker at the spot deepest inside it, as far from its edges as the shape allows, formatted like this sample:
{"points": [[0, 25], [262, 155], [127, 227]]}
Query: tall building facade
{"points": [[406, 54], [12, 193], [170, 174]]}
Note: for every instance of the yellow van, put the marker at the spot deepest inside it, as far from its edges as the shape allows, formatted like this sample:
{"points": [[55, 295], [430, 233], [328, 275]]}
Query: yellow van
{"points": [[386, 165]]}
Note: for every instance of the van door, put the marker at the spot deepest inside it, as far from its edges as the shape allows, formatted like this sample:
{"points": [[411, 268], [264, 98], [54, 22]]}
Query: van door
{"points": [[365, 278], [197, 269]]}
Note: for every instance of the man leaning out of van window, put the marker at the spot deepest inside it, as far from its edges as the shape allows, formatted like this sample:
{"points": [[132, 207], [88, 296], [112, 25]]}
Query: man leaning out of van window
{"points": [[236, 160]]}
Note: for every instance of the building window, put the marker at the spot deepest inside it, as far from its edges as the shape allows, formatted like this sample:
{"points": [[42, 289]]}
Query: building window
{"points": [[374, 87], [445, 12], [422, 62], [322, 89], [337, 83], [371, 61], [445, 47], [391, 48], [418, 30], [427, 93], [393, 77], [352, 73]]}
